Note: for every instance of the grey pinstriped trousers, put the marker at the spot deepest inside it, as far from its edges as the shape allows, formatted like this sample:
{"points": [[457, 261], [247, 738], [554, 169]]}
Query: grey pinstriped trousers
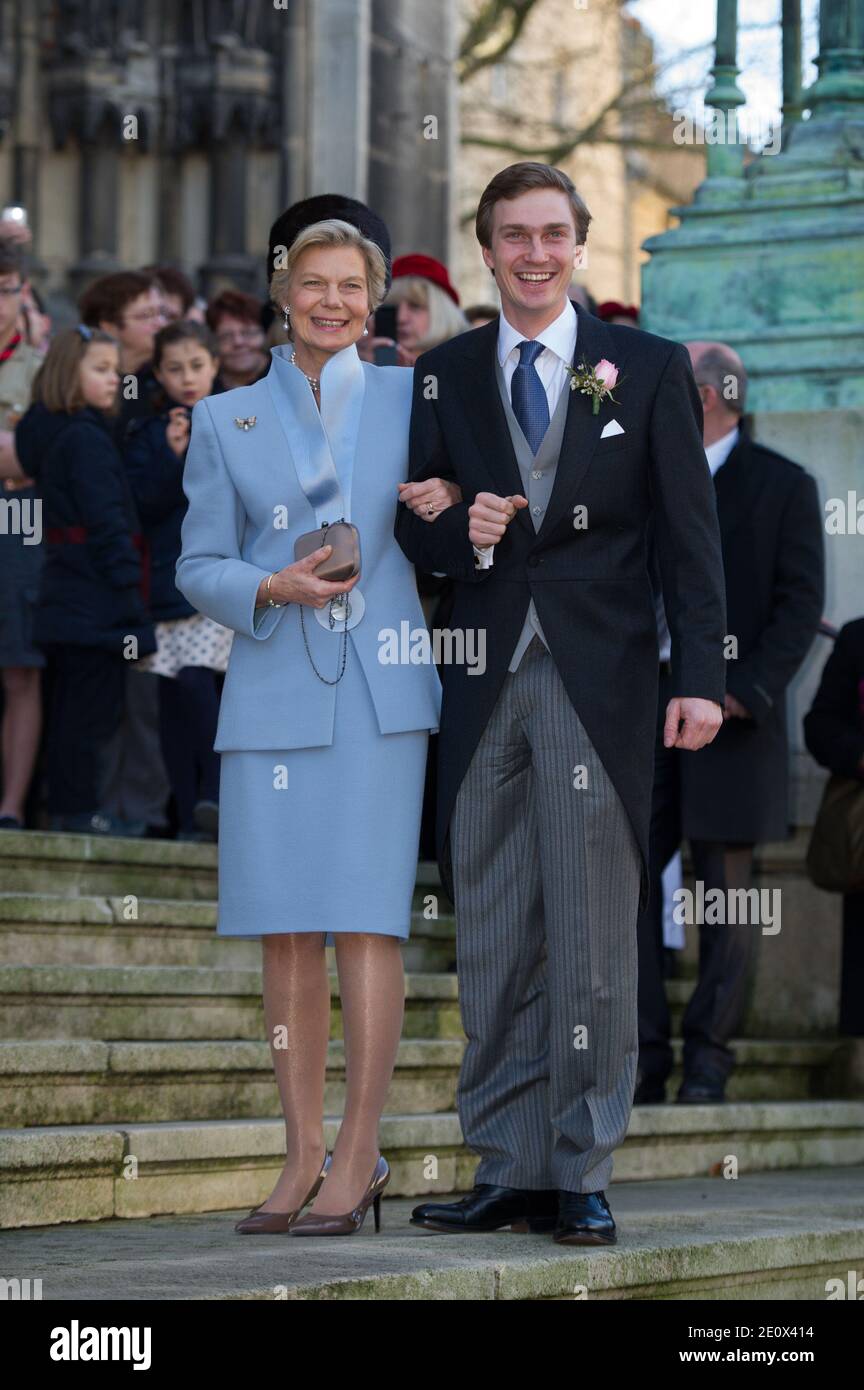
{"points": [[546, 881]]}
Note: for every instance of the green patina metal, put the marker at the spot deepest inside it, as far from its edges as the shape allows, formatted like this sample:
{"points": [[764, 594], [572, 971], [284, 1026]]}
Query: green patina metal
{"points": [[770, 257]]}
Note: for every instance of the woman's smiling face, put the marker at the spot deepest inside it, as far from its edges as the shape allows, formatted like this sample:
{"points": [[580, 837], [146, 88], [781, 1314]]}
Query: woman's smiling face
{"points": [[329, 297]]}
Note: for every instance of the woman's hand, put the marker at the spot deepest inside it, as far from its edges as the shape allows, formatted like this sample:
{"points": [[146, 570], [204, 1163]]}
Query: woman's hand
{"points": [[298, 584], [429, 499]]}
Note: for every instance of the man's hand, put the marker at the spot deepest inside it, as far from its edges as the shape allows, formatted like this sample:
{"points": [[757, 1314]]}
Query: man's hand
{"points": [[733, 709], [691, 724], [489, 516]]}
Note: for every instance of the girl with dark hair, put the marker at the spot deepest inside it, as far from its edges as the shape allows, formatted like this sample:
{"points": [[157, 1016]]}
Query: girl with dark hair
{"points": [[191, 648]]}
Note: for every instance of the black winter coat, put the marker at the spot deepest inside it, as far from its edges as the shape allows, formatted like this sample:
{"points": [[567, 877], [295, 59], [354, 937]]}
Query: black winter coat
{"points": [[93, 587], [771, 529], [834, 727], [156, 476]]}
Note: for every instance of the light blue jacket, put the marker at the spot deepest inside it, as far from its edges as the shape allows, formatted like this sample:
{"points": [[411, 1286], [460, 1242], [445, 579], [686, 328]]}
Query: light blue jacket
{"points": [[247, 507]]}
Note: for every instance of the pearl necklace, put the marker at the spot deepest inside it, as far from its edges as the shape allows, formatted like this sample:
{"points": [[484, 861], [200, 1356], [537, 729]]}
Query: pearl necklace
{"points": [[314, 381]]}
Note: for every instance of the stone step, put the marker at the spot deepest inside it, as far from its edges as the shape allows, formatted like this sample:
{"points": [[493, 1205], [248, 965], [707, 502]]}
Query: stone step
{"points": [[41, 861], [163, 1002], [52, 929], [89, 1081], [770, 1236], [93, 1172], [38, 861], [158, 1003], [92, 1082]]}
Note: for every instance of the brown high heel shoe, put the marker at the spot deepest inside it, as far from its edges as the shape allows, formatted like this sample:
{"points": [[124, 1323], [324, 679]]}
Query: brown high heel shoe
{"points": [[350, 1221], [267, 1223]]}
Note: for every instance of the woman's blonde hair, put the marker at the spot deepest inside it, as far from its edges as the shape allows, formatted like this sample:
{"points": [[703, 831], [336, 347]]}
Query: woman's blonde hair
{"points": [[331, 232], [446, 319], [57, 384]]}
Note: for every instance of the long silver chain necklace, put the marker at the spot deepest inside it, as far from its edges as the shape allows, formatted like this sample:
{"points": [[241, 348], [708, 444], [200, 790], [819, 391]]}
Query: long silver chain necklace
{"points": [[315, 384]]}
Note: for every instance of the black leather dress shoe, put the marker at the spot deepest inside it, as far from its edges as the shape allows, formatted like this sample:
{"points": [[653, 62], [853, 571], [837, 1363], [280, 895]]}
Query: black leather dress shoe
{"points": [[584, 1218], [491, 1208], [702, 1088]]}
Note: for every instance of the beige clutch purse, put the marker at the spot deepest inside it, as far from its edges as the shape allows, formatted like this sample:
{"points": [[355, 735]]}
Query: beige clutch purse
{"points": [[344, 561]]}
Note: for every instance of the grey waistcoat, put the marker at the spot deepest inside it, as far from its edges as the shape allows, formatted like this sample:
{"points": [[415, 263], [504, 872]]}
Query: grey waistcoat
{"points": [[538, 474]]}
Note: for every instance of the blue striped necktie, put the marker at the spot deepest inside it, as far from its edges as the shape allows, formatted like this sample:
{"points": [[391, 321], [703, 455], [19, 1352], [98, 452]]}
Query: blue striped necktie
{"points": [[528, 395]]}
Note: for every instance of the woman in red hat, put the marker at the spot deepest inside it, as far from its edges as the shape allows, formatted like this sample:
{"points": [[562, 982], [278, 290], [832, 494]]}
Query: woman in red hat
{"points": [[428, 310]]}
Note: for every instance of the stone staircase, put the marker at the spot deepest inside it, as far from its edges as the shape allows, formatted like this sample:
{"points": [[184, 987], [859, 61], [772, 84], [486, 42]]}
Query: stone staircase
{"points": [[135, 1080]]}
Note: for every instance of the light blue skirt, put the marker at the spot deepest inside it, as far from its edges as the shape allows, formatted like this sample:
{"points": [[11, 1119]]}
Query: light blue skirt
{"points": [[323, 839]]}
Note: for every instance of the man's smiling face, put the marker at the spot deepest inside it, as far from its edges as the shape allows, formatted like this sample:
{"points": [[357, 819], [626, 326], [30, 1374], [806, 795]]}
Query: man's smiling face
{"points": [[534, 250]]}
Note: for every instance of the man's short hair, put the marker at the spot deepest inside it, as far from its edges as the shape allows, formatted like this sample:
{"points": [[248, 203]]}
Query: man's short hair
{"points": [[521, 178], [723, 369]]}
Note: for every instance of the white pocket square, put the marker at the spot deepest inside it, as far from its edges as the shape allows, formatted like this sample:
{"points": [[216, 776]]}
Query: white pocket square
{"points": [[612, 428]]}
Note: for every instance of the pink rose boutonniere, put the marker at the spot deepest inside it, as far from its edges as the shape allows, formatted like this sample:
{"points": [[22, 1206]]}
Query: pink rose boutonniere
{"points": [[597, 381]]}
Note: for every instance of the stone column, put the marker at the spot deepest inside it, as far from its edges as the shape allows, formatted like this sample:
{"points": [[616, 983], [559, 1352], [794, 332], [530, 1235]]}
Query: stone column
{"points": [[26, 128], [239, 110], [99, 200], [296, 40], [337, 92], [413, 123]]}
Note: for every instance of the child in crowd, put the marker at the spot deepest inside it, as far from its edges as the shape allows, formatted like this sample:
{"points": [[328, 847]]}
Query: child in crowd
{"points": [[91, 616], [191, 648]]}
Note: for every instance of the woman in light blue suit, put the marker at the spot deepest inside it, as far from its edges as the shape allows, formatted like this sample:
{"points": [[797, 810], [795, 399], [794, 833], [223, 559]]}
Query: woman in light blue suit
{"points": [[323, 738]]}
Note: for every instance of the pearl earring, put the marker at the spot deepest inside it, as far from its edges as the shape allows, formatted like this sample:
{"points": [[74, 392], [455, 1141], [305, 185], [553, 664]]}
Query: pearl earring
{"points": [[365, 333], [287, 315]]}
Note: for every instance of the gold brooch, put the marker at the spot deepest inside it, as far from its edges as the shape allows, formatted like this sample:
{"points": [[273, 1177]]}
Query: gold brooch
{"points": [[245, 423]]}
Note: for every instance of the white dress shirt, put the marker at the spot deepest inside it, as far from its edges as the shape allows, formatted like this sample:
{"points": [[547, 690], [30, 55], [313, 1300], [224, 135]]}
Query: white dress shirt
{"points": [[718, 452], [559, 340]]}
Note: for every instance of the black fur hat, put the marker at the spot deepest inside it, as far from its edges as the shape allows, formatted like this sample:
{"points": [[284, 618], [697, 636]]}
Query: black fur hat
{"points": [[295, 219]]}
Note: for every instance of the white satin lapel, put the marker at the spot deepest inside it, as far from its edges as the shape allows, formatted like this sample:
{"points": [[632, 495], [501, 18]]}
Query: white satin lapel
{"points": [[322, 444], [343, 388]]}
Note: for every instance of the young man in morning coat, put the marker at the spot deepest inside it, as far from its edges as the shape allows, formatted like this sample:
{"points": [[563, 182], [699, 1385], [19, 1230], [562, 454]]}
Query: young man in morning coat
{"points": [[545, 759]]}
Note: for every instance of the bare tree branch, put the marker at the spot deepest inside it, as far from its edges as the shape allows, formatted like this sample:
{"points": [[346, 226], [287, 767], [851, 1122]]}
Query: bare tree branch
{"points": [[498, 20], [546, 155]]}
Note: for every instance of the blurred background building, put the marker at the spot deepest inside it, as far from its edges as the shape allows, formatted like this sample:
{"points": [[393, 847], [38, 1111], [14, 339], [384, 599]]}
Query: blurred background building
{"points": [[587, 103], [174, 131]]}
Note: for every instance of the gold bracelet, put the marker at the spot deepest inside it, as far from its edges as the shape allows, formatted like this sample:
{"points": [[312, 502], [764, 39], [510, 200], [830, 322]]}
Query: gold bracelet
{"points": [[271, 602]]}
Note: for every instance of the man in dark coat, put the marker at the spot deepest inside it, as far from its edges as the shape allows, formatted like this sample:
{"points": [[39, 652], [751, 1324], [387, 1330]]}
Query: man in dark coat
{"points": [[734, 795], [545, 756]]}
